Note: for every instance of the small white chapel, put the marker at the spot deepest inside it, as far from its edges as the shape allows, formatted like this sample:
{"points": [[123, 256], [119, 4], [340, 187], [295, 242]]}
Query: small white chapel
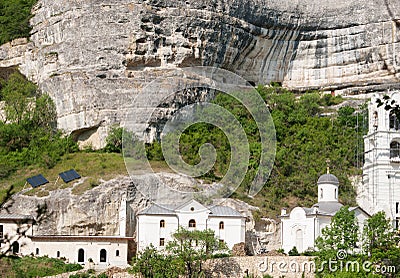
{"points": [[302, 226]]}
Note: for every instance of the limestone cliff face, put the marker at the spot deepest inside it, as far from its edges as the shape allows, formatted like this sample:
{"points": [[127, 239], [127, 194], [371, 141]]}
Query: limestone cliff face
{"points": [[93, 56], [100, 211]]}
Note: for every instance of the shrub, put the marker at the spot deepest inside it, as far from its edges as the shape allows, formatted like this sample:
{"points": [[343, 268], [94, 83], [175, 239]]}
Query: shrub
{"points": [[294, 252]]}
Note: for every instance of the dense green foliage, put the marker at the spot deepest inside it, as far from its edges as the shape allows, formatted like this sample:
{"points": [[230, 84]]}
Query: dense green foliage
{"points": [[185, 255], [24, 267], [27, 133], [344, 252], [114, 140], [14, 19], [308, 133]]}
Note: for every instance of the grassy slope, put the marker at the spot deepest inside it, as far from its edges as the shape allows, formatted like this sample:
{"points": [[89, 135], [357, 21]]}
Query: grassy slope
{"points": [[93, 167], [14, 267]]}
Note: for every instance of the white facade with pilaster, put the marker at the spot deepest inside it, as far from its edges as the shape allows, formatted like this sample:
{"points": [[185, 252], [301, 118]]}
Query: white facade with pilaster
{"points": [[380, 189], [157, 223]]}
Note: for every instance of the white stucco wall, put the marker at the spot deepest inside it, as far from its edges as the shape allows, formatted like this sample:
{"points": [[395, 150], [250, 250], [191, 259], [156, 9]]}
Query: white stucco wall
{"points": [[69, 249], [298, 230], [149, 231], [233, 231], [11, 234]]}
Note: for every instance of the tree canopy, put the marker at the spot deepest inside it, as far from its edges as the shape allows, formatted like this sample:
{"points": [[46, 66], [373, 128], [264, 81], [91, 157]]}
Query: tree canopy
{"points": [[14, 19]]}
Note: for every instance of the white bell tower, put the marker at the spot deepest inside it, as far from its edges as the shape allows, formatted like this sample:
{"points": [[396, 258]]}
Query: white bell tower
{"points": [[380, 189]]}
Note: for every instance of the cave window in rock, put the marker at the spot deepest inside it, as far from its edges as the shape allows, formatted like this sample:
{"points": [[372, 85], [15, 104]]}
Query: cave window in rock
{"points": [[221, 225], [103, 255], [394, 149], [394, 122], [192, 223], [162, 224], [81, 255], [15, 247]]}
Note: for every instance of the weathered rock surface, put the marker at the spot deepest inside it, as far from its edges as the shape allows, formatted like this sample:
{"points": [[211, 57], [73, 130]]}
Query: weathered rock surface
{"points": [[92, 56], [110, 208]]}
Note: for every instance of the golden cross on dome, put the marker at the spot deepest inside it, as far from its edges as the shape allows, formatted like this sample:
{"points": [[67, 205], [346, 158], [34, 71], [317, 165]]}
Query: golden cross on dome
{"points": [[328, 161]]}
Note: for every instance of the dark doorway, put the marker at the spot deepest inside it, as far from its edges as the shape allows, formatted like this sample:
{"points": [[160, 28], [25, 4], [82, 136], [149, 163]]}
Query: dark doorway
{"points": [[103, 255], [81, 255], [15, 247]]}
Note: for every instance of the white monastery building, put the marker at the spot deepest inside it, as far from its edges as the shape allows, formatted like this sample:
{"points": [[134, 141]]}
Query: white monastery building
{"points": [[380, 189], [302, 226], [157, 223]]}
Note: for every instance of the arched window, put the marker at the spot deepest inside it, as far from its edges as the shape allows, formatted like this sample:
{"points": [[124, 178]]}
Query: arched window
{"points": [[81, 255], [393, 122], [103, 255], [192, 223], [58, 254], [117, 253], [162, 224], [394, 149], [37, 251], [15, 247], [221, 225]]}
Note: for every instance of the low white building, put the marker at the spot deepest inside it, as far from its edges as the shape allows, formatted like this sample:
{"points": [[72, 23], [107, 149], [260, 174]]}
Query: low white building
{"points": [[157, 223], [101, 250], [15, 230], [302, 226]]}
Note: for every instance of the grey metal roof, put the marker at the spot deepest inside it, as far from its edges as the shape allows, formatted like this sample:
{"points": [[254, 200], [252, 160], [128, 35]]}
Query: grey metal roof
{"points": [[224, 211], [328, 178], [158, 209], [328, 207], [15, 216]]}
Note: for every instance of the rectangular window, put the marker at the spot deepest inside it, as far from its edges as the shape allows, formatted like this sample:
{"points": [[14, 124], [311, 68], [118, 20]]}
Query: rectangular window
{"points": [[396, 224], [1, 231], [162, 241], [397, 207]]}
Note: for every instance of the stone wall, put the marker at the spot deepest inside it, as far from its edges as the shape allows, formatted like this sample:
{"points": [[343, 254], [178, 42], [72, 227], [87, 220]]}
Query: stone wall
{"points": [[276, 266]]}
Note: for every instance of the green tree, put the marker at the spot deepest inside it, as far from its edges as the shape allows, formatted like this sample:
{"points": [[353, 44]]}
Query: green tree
{"points": [[114, 140], [337, 241], [155, 264], [193, 248], [341, 234], [14, 19], [184, 255], [18, 94], [381, 241]]}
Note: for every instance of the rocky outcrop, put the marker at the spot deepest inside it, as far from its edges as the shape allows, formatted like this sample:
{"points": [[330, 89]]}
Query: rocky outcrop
{"points": [[107, 209], [93, 57]]}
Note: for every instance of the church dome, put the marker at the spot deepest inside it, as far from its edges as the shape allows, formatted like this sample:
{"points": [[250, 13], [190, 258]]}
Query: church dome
{"points": [[328, 178]]}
